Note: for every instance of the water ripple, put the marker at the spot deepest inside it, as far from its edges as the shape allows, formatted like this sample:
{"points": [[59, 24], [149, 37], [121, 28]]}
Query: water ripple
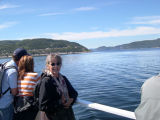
{"points": [[109, 78]]}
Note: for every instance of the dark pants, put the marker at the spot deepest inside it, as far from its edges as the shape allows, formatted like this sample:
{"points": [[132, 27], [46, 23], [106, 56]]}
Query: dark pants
{"points": [[24, 110], [29, 114], [64, 114]]}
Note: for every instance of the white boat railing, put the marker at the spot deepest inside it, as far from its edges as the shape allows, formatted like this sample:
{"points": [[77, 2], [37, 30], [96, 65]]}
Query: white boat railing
{"points": [[116, 111]]}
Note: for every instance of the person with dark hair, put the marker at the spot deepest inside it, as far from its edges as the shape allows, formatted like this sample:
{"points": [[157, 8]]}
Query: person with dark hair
{"points": [[10, 81], [56, 92], [27, 79]]}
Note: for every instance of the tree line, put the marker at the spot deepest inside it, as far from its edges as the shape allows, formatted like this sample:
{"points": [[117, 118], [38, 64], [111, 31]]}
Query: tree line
{"points": [[40, 46]]}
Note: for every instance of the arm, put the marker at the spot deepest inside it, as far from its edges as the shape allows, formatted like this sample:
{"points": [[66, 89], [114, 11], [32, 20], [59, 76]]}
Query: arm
{"points": [[12, 79], [72, 92], [14, 91]]}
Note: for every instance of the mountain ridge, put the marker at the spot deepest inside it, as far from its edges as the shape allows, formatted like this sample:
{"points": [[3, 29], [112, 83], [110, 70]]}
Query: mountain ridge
{"points": [[39, 46], [133, 45]]}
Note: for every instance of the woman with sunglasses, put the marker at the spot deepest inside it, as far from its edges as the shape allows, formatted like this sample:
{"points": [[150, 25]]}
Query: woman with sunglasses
{"points": [[56, 93]]}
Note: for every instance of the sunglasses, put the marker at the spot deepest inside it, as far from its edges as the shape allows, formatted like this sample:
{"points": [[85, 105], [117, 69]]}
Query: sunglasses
{"points": [[54, 64]]}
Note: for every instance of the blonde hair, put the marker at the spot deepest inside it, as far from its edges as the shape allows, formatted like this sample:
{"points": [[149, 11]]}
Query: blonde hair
{"points": [[26, 64], [50, 57]]}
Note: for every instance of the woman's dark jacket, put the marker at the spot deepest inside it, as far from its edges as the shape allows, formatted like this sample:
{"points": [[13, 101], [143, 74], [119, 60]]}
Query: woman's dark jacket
{"points": [[49, 98]]}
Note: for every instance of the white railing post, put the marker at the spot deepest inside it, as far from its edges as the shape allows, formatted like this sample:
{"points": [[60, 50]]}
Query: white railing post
{"points": [[116, 111]]}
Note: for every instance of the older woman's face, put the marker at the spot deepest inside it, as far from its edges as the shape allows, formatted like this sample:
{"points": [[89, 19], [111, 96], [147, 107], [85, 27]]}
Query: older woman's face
{"points": [[54, 67]]}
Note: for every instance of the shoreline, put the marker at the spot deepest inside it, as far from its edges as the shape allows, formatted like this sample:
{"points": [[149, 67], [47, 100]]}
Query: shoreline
{"points": [[60, 53]]}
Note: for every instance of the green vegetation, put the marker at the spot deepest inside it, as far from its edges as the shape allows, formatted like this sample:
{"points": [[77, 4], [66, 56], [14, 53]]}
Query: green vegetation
{"points": [[40, 46], [141, 44], [134, 45]]}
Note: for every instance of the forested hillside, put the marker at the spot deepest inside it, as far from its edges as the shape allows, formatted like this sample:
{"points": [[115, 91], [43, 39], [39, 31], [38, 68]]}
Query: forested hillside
{"points": [[134, 45], [40, 46]]}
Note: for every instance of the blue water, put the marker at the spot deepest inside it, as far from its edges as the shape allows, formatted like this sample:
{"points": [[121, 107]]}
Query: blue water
{"points": [[109, 78]]}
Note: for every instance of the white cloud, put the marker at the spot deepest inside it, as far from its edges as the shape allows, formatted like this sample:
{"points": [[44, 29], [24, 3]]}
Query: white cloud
{"points": [[29, 36], [69, 11], [150, 20], [52, 14], [5, 6], [100, 34], [85, 9], [7, 25]]}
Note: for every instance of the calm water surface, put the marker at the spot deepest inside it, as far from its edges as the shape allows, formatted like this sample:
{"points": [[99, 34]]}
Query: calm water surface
{"points": [[109, 78]]}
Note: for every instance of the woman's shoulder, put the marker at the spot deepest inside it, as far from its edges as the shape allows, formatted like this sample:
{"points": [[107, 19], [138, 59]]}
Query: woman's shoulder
{"points": [[63, 76], [45, 77], [31, 73]]}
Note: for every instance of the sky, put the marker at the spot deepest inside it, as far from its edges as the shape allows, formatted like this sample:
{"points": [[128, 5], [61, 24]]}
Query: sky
{"points": [[91, 23]]}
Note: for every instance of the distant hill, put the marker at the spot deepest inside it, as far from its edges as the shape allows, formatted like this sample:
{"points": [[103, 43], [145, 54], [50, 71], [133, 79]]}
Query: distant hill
{"points": [[134, 45], [40, 46]]}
